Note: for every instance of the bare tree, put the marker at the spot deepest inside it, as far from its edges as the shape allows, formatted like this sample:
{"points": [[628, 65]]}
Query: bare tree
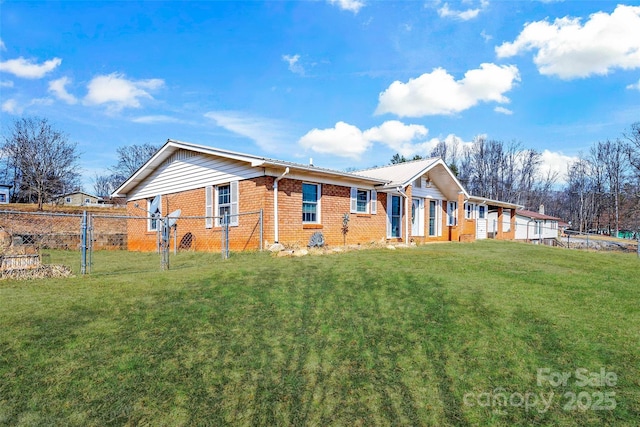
{"points": [[44, 161], [103, 185], [130, 158], [611, 155], [633, 138]]}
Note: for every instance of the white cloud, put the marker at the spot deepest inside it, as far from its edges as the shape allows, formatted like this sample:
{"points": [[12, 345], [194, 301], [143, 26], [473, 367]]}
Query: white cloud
{"points": [[6, 83], [41, 101], [556, 161], [156, 119], [343, 140], [634, 86], [503, 110], [294, 65], [485, 36], [270, 135], [404, 139], [350, 5], [27, 69], [438, 93], [11, 106], [2, 46], [118, 92], [463, 15], [58, 88], [568, 49], [347, 140]]}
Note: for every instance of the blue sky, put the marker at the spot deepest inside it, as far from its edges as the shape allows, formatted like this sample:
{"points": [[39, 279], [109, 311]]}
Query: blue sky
{"points": [[346, 82]]}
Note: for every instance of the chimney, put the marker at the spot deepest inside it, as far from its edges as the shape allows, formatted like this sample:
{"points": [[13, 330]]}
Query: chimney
{"points": [[310, 161], [541, 210]]}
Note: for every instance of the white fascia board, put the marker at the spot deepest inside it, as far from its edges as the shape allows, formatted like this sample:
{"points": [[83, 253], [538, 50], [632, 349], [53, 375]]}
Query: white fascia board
{"points": [[323, 177]]}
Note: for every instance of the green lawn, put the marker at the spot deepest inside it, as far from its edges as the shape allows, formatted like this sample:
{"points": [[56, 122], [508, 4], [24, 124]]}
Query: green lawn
{"points": [[446, 334]]}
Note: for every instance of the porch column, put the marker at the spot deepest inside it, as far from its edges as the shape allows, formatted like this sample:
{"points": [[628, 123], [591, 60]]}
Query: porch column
{"points": [[500, 225], [513, 225], [460, 215]]}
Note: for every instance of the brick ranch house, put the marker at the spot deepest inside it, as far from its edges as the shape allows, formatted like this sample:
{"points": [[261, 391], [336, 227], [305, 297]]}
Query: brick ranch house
{"points": [[418, 201]]}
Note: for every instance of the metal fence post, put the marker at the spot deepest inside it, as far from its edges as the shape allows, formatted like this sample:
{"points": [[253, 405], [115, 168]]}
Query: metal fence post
{"points": [[225, 235], [90, 242], [261, 230], [83, 243]]}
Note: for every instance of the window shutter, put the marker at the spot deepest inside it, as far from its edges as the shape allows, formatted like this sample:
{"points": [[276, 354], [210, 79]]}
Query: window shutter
{"points": [[374, 202], [354, 200], [234, 203], [216, 210], [388, 215], [208, 206]]}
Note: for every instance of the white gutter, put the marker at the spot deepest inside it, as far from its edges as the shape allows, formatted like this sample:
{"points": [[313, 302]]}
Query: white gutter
{"points": [[406, 214], [275, 205]]}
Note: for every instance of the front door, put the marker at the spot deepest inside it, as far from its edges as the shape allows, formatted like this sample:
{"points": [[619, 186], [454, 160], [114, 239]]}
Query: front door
{"points": [[481, 222], [417, 217]]}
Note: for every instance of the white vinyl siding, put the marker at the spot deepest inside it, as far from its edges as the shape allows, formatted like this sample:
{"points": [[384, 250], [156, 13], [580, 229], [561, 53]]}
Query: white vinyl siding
{"points": [[191, 173], [428, 193]]}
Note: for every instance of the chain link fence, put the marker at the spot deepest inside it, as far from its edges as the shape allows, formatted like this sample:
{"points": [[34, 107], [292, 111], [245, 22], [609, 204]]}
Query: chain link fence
{"points": [[27, 237]]}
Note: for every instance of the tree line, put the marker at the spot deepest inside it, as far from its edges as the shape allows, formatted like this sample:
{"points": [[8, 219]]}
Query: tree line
{"points": [[601, 192], [39, 162]]}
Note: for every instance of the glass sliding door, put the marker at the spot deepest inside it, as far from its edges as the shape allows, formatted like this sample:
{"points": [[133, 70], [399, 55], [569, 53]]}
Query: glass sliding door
{"points": [[433, 217]]}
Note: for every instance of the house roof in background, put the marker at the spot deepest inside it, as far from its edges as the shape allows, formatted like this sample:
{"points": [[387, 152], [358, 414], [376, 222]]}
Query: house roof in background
{"points": [[78, 192], [492, 202], [536, 215]]}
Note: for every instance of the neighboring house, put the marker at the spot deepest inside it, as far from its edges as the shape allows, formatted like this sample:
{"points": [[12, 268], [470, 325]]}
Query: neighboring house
{"points": [[4, 193], [77, 198], [414, 201], [536, 226]]}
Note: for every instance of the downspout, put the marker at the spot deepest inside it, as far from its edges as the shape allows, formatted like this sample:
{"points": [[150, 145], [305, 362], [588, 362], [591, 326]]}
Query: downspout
{"points": [[406, 214], [529, 222], [275, 205]]}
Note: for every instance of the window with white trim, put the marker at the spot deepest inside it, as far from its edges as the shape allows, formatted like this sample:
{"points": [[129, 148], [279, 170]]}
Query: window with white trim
{"points": [[67, 200], [363, 201], [468, 210], [226, 199], [452, 210], [152, 221], [311, 203], [481, 212]]}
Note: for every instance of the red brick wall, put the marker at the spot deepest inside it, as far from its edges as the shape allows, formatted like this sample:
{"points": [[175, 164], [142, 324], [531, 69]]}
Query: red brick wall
{"points": [[334, 203], [192, 233], [256, 194]]}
